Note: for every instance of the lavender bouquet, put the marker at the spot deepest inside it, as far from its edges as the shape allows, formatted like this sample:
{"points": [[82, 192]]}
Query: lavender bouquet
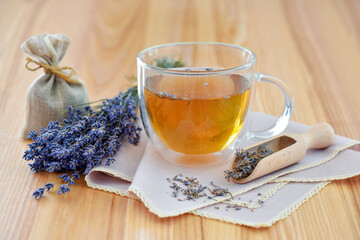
{"points": [[84, 139]]}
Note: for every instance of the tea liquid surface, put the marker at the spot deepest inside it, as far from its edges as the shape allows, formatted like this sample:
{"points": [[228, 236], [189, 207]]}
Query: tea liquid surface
{"points": [[197, 114]]}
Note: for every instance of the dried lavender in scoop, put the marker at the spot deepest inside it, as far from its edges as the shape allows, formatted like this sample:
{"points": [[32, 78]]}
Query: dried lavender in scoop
{"points": [[245, 162]]}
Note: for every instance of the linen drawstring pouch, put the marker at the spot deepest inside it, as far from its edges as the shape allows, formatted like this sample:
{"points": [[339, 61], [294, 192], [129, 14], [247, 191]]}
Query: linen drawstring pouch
{"points": [[56, 89]]}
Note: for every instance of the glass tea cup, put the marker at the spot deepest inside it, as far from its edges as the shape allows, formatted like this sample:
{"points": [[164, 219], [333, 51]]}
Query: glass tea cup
{"points": [[196, 98]]}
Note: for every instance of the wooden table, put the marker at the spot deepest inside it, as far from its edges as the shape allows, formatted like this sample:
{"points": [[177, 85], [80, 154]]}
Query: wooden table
{"points": [[314, 46]]}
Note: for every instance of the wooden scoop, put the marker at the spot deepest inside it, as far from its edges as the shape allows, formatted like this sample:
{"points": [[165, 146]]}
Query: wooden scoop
{"points": [[288, 149]]}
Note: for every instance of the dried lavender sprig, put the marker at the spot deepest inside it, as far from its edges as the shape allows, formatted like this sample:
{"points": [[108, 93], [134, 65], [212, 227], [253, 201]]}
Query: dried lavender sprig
{"points": [[245, 162], [172, 97], [84, 139], [219, 191]]}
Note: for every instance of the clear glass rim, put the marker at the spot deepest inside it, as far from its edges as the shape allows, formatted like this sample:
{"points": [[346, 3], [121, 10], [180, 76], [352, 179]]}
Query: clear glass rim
{"points": [[183, 72]]}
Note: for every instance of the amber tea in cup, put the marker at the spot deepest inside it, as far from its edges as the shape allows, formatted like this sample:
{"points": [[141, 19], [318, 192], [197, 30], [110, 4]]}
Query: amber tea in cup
{"points": [[197, 115], [197, 103]]}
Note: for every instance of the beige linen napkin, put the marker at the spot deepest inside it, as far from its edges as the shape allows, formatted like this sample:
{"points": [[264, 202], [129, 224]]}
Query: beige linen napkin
{"points": [[150, 185]]}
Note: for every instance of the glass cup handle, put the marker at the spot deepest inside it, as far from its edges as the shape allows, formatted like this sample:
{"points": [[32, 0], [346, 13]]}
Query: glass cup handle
{"points": [[284, 118]]}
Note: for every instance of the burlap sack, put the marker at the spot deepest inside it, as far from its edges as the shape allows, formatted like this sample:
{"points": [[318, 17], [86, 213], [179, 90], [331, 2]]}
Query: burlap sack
{"points": [[56, 89]]}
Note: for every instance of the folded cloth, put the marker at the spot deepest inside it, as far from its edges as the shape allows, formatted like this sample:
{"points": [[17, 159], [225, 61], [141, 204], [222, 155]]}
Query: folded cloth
{"points": [[140, 172]]}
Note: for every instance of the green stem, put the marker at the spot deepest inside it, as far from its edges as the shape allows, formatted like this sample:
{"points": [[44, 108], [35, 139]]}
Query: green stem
{"points": [[78, 105], [100, 100]]}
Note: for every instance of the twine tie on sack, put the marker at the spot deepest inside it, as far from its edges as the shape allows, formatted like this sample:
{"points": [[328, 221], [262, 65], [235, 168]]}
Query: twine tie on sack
{"points": [[54, 69]]}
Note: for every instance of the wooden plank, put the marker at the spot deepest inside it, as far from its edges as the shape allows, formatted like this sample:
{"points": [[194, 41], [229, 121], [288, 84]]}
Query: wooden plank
{"points": [[314, 46]]}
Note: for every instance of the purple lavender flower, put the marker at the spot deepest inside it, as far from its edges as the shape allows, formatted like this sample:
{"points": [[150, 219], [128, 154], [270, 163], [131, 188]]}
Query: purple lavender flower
{"points": [[33, 135], [63, 189], [75, 175], [65, 177], [49, 186], [38, 193], [109, 161]]}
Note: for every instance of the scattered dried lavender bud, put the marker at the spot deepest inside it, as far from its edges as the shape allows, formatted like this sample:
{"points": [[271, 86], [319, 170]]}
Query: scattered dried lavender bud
{"points": [[191, 189]]}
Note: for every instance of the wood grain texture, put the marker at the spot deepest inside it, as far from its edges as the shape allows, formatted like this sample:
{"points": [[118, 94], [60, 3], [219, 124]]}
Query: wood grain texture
{"points": [[314, 46]]}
